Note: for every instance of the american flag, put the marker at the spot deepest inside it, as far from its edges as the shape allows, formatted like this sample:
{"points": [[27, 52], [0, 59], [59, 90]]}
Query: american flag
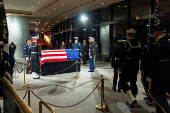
{"points": [[58, 55], [157, 21]]}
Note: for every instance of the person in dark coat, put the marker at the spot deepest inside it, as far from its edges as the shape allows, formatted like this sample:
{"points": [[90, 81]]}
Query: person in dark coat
{"points": [[84, 51], [43, 46], [57, 46], [69, 45], [13, 46], [159, 71], [35, 55], [11, 61], [129, 57]]}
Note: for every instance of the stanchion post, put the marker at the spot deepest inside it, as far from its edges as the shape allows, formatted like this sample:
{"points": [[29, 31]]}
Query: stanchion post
{"points": [[28, 64], [24, 85], [101, 106], [28, 89], [15, 70]]}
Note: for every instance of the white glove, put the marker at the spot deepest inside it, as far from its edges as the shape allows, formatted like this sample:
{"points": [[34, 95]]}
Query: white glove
{"points": [[148, 79], [27, 58]]}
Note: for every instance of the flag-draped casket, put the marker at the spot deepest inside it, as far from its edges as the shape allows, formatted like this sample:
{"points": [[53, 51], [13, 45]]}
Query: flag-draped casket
{"points": [[58, 61]]}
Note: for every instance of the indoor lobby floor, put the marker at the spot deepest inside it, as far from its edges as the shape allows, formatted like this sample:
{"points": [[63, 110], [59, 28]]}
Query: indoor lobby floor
{"points": [[65, 90]]}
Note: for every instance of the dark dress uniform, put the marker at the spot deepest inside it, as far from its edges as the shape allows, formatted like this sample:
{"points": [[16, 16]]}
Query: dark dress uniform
{"points": [[96, 53], [77, 47], [129, 57], [115, 60], [160, 74], [25, 52], [84, 52], [13, 46], [92, 53], [35, 54]]}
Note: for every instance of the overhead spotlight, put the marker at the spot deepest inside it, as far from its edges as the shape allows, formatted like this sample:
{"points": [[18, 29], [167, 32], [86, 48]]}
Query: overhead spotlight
{"points": [[49, 26], [52, 24], [102, 3], [57, 21], [38, 2], [55, 8], [39, 22], [42, 32], [10, 4], [83, 18], [118, 6], [125, 6], [27, 10], [45, 15], [138, 10], [84, 29], [74, 21], [49, 12], [32, 6], [147, 25], [15, 19], [65, 17], [62, 4], [93, 29]]}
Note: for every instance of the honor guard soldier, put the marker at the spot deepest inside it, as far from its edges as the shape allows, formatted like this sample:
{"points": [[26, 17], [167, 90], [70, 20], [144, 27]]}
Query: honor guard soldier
{"points": [[35, 54], [144, 67], [92, 53], [159, 70], [115, 60], [77, 46], [96, 50], [25, 52], [129, 57], [84, 52]]}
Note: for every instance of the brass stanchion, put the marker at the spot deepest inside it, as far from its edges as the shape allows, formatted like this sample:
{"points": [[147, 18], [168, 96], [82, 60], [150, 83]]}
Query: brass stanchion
{"points": [[15, 70], [77, 76], [24, 85], [101, 106], [28, 63], [46, 105], [28, 95]]}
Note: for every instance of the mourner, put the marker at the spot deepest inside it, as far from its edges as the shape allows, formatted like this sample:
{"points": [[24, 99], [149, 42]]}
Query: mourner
{"points": [[144, 66], [13, 46], [129, 57], [84, 51], [69, 45], [35, 54], [159, 71], [77, 46], [25, 52]]}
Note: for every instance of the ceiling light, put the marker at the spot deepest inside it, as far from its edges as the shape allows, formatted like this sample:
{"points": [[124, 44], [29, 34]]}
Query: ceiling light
{"points": [[39, 22], [102, 3], [125, 6], [166, 11], [65, 17], [42, 32], [143, 13], [15, 19], [49, 26], [74, 21], [55, 8], [29, 8], [52, 24], [84, 29], [138, 10], [57, 21], [38, 2], [62, 4], [45, 15], [48, 12], [118, 6], [32, 6], [10, 4]]}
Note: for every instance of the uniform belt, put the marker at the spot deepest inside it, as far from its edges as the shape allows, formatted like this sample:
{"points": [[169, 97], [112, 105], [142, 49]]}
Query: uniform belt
{"points": [[34, 52], [76, 49]]}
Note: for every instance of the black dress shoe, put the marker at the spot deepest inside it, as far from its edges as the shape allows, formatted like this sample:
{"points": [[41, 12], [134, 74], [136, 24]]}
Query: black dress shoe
{"points": [[114, 89], [128, 104], [119, 90], [134, 102]]}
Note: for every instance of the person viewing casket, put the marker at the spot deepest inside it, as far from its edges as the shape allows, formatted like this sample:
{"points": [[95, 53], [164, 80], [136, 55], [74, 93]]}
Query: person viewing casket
{"points": [[62, 46]]}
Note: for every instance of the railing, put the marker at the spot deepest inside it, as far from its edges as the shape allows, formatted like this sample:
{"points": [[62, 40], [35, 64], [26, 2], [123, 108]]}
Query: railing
{"points": [[46, 105], [13, 103]]}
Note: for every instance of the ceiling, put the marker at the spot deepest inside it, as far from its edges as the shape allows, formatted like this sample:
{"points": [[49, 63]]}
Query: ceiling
{"points": [[54, 11]]}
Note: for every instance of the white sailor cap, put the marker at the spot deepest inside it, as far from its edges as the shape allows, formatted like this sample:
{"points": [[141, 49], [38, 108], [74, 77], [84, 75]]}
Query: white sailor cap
{"points": [[90, 37], [76, 38], [131, 31], [34, 37]]}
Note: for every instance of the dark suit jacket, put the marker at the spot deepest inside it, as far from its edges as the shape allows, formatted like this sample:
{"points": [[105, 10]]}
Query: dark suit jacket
{"points": [[84, 49]]}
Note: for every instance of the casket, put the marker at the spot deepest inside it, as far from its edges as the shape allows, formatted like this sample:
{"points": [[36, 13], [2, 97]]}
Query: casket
{"points": [[59, 61]]}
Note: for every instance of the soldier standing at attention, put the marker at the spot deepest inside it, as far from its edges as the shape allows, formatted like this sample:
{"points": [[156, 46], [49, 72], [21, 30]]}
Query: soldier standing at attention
{"points": [[159, 71], [129, 57], [77, 46], [96, 51], [144, 66], [25, 52], [92, 53], [84, 52], [35, 54]]}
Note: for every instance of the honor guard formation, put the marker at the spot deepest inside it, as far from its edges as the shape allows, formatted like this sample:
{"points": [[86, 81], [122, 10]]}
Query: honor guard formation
{"points": [[85, 56]]}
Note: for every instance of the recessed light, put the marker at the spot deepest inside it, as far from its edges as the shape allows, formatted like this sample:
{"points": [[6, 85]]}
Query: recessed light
{"points": [[57, 21], [55, 8], [143, 13], [125, 6], [138, 10], [38, 2], [15, 19], [52, 24], [102, 3], [42, 32], [65, 17], [45, 15], [10, 4], [118, 6], [74, 21], [62, 4], [49, 12], [32, 6], [39, 22], [29, 8]]}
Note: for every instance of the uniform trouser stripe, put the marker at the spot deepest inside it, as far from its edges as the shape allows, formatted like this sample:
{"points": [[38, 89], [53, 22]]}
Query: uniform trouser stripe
{"points": [[154, 99]]}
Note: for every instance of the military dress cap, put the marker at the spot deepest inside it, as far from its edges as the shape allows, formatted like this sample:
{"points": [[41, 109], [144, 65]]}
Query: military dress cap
{"points": [[70, 38], [76, 38], [28, 40], [34, 37], [150, 35], [131, 31], [90, 38]]}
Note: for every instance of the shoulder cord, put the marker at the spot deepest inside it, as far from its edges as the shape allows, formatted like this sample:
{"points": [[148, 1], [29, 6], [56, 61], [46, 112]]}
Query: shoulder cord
{"points": [[34, 45], [129, 49]]}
